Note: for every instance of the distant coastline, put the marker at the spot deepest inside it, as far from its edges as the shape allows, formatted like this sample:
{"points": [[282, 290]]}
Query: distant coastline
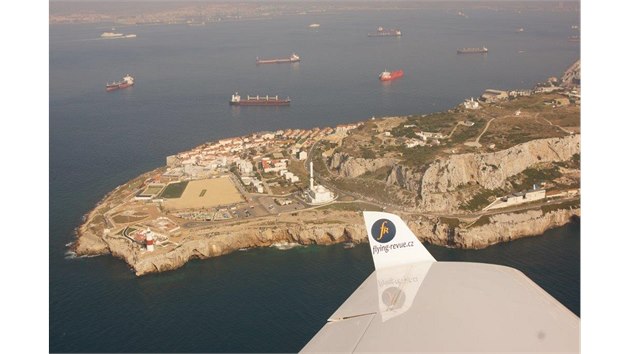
{"points": [[174, 13]]}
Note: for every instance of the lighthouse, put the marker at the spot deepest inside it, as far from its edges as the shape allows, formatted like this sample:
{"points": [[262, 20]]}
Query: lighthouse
{"points": [[149, 240]]}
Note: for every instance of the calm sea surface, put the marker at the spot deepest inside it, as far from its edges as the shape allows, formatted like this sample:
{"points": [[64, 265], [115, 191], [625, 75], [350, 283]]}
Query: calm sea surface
{"points": [[264, 299]]}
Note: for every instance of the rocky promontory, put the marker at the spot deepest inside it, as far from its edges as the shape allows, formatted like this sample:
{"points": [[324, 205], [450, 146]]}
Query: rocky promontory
{"points": [[255, 191], [329, 228]]}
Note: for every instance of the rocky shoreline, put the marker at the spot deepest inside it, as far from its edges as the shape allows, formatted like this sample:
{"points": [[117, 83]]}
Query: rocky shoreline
{"points": [[441, 198], [343, 227]]}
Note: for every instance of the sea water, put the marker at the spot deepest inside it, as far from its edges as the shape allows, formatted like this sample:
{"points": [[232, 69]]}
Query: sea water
{"points": [[261, 299]]}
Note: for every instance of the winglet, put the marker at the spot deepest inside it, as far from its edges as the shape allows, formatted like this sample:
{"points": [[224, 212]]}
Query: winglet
{"points": [[391, 241]]}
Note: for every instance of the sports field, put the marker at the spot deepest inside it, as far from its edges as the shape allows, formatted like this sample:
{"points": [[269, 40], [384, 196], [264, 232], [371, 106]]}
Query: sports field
{"points": [[206, 193]]}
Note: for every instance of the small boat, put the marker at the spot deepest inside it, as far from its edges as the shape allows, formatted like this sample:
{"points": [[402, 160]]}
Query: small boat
{"points": [[314, 25]]}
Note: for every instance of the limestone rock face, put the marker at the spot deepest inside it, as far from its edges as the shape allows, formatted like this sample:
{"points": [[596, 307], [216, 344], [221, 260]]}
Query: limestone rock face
{"points": [[501, 228], [507, 227], [405, 177], [438, 185], [90, 244], [489, 170], [227, 239], [348, 166], [343, 227]]}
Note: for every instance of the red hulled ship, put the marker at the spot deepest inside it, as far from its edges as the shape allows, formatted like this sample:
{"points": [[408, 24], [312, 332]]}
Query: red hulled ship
{"points": [[393, 75], [126, 81]]}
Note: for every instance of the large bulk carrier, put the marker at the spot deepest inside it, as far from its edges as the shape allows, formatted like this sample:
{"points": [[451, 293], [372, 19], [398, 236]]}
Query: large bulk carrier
{"points": [[381, 32], [126, 81], [294, 58], [266, 100], [482, 50]]}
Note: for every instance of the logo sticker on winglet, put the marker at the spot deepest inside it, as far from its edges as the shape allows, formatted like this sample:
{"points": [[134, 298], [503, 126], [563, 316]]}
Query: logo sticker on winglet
{"points": [[383, 230]]}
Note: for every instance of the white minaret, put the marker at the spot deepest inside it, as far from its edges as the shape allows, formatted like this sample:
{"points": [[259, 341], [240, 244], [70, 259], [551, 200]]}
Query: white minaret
{"points": [[311, 175], [149, 240]]}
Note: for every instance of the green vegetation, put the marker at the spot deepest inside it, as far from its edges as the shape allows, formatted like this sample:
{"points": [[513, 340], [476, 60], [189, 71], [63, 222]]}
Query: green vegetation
{"points": [[174, 190], [573, 163], [571, 204], [369, 188], [319, 166], [400, 131], [151, 190], [482, 199], [451, 222], [434, 122], [463, 133], [576, 159], [367, 153], [483, 220], [298, 169], [419, 155], [531, 176], [378, 174], [356, 206]]}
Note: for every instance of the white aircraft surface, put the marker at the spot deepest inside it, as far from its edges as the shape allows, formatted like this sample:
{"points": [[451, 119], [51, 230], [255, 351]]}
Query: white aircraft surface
{"points": [[412, 303]]}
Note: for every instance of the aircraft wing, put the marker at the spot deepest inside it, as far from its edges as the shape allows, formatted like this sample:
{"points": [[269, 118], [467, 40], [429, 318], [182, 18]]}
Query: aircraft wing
{"points": [[411, 303]]}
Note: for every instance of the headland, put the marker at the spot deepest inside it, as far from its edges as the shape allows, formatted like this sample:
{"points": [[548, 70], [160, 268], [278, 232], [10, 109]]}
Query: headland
{"points": [[493, 169]]}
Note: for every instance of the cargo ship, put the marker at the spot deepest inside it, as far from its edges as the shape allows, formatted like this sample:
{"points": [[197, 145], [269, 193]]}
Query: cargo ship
{"points": [[482, 50], [111, 35], [126, 81], [259, 100], [292, 59], [381, 32], [388, 76]]}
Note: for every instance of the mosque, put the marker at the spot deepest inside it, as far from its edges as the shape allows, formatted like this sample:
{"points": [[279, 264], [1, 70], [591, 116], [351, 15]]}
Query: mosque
{"points": [[318, 194]]}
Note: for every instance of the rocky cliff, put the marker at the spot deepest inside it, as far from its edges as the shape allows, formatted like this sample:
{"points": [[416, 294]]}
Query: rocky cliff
{"points": [[342, 227], [507, 227], [348, 166], [438, 185]]}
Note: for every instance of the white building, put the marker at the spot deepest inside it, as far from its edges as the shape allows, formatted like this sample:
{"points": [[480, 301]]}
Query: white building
{"points": [[302, 155], [414, 142], [318, 194], [518, 198], [471, 104], [245, 167], [289, 176], [492, 96]]}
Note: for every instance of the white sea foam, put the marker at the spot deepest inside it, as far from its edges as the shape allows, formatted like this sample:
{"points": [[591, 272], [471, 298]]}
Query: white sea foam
{"points": [[283, 246], [73, 255]]}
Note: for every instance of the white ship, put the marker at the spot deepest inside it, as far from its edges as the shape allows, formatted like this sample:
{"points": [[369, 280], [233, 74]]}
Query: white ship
{"points": [[111, 35]]}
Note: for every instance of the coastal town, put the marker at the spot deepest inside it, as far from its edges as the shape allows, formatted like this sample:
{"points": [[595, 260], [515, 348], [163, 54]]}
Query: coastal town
{"points": [[203, 13], [507, 157]]}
